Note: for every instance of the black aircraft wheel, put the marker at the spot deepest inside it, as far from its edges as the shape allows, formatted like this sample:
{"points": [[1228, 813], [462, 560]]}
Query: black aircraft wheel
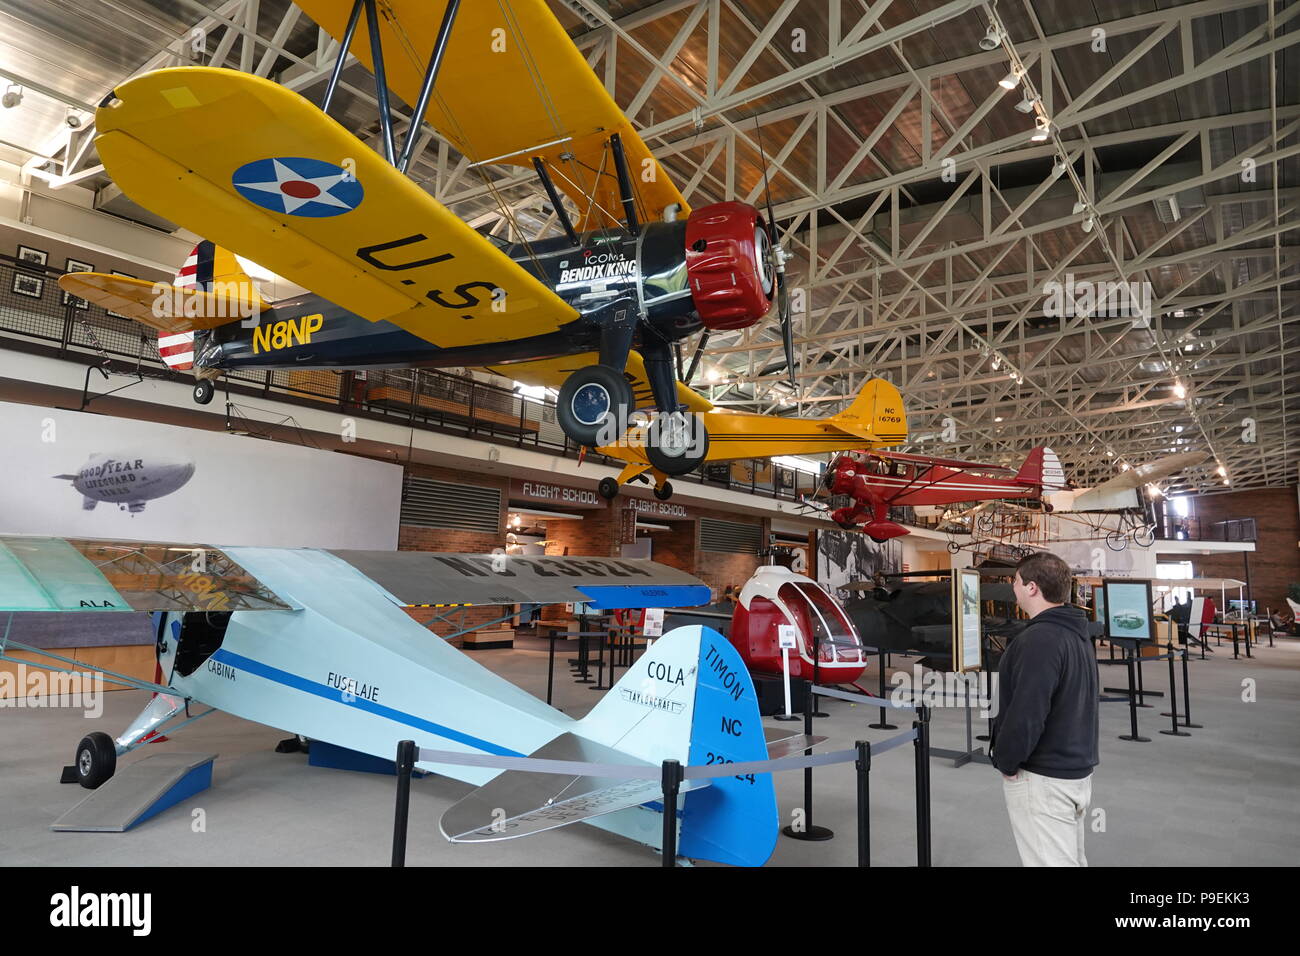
{"points": [[203, 391], [96, 759], [1117, 541], [664, 491], [1145, 537], [954, 547], [984, 523], [608, 489], [677, 442], [591, 404]]}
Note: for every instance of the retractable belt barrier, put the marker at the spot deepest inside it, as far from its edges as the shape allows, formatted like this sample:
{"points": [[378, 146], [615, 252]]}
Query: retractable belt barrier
{"points": [[672, 773]]}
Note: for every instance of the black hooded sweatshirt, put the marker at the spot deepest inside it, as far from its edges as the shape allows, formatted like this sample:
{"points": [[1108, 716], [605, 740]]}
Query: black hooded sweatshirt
{"points": [[1047, 698]]}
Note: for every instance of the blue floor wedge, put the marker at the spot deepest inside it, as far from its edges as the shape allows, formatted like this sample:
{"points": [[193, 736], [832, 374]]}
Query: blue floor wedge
{"points": [[139, 791]]}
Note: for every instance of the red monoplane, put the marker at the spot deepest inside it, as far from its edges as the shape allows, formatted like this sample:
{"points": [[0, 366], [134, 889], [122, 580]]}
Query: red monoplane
{"points": [[877, 481]]}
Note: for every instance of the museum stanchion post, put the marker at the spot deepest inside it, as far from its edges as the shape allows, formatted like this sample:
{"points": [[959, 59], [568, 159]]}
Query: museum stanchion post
{"points": [[1129, 651], [921, 746], [1187, 698], [672, 783], [1172, 714], [809, 830], [882, 724], [550, 668], [863, 766], [405, 767]]}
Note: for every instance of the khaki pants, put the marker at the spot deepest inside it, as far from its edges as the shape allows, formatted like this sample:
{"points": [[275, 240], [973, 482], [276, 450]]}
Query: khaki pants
{"points": [[1047, 818]]}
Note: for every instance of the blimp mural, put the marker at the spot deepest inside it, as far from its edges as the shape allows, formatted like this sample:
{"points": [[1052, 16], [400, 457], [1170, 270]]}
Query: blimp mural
{"points": [[129, 480]]}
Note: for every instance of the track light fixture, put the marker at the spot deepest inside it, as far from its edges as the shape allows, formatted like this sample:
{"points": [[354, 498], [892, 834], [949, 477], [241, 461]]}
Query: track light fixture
{"points": [[1079, 206], [1089, 223], [992, 37], [1010, 81], [1059, 166], [1027, 101], [13, 96]]}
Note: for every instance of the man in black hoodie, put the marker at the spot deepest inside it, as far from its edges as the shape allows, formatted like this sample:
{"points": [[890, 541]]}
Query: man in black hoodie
{"points": [[1045, 733]]}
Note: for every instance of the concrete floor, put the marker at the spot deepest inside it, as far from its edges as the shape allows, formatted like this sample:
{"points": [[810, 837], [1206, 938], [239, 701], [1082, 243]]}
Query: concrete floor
{"points": [[1224, 796]]}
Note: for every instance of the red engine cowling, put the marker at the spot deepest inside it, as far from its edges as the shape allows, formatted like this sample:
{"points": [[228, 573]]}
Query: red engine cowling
{"points": [[728, 265]]}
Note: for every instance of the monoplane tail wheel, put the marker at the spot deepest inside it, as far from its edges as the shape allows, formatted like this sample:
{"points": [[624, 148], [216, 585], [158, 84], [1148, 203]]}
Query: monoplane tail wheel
{"points": [[204, 390], [664, 491]]}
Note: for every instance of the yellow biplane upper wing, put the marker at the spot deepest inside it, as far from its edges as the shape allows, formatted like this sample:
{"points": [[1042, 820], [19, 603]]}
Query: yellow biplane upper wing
{"points": [[260, 170], [512, 86]]}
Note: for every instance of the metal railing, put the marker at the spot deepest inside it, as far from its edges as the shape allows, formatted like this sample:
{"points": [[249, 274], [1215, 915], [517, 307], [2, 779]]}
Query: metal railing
{"points": [[37, 316]]}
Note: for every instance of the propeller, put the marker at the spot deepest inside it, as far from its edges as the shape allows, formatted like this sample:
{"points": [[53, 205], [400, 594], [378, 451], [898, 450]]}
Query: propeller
{"points": [[778, 257]]}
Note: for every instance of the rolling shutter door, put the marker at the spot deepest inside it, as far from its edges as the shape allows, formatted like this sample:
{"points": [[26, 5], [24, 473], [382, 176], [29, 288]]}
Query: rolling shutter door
{"points": [[427, 503], [730, 536]]}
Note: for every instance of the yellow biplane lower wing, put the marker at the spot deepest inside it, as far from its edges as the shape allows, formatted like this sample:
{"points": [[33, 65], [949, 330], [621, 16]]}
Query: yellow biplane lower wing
{"points": [[261, 171], [163, 306]]}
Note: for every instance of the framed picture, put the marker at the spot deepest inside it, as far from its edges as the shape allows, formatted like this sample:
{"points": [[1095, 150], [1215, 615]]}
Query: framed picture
{"points": [[69, 299], [125, 275], [967, 646], [32, 256], [1098, 603], [29, 285], [1128, 610]]}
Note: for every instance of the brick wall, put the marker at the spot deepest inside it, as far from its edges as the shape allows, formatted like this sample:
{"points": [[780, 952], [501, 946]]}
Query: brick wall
{"points": [[1275, 563]]}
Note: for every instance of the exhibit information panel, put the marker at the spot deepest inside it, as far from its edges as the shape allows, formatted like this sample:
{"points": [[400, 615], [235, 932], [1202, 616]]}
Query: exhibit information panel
{"points": [[967, 647], [1127, 606]]}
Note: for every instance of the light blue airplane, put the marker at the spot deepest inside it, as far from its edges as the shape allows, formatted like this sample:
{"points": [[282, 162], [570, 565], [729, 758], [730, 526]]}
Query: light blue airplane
{"points": [[319, 643]]}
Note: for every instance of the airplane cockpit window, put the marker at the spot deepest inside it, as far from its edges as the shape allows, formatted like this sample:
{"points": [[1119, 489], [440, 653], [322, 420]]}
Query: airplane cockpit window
{"points": [[831, 632]]}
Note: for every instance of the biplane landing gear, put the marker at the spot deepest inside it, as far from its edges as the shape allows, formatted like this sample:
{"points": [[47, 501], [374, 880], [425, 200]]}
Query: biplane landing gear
{"points": [[1117, 540], [1145, 536], [591, 399], [664, 491], [96, 759], [608, 488], [204, 390], [677, 442]]}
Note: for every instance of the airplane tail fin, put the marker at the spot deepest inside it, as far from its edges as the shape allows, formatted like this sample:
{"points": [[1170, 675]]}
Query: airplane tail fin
{"points": [[876, 415], [688, 698], [1043, 468], [211, 289]]}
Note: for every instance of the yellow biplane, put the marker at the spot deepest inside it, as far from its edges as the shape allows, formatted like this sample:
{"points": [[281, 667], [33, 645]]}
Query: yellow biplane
{"points": [[398, 280]]}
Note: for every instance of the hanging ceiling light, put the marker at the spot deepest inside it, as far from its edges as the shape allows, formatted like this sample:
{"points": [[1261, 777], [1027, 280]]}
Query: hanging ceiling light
{"points": [[1179, 390], [13, 96], [1010, 81], [1088, 223], [1027, 101], [1079, 206], [992, 37], [1059, 166]]}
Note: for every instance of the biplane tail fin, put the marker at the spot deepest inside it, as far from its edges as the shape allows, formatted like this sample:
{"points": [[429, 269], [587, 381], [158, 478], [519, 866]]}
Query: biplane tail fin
{"points": [[211, 289], [876, 415], [688, 698], [1042, 468]]}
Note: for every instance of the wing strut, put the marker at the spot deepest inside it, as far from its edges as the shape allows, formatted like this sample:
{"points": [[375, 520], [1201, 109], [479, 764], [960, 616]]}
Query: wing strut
{"points": [[430, 74]]}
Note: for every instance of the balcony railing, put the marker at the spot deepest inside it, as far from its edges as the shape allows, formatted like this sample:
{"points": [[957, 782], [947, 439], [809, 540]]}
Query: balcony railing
{"points": [[35, 317]]}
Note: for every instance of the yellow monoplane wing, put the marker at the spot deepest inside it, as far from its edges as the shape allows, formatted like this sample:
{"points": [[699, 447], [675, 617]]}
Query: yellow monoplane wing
{"points": [[552, 372], [163, 306], [261, 171], [512, 86]]}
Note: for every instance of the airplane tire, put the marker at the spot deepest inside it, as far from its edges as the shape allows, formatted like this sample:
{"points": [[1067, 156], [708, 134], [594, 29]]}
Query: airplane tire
{"points": [[587, 400], [1116, 541], [1145, 537], [676, 462], [664, 492], [96, 759], [203, 391], [608, 488]]}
